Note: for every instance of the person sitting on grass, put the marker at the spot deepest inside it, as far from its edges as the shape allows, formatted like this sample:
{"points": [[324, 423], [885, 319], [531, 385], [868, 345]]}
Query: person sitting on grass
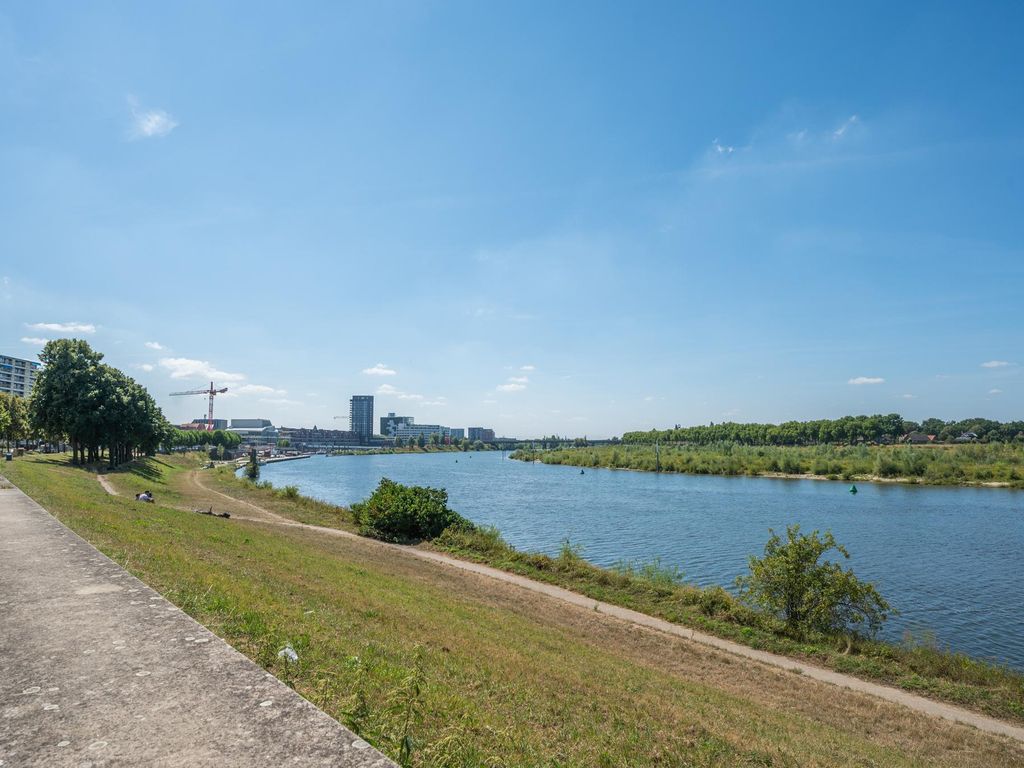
{"points": [[144, 496]]}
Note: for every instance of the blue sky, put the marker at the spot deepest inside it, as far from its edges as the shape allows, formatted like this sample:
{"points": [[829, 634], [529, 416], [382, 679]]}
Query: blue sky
{"points": [[579, 218]]}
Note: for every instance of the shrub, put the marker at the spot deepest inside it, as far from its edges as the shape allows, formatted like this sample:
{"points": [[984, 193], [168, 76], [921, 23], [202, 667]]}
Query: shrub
{"points": [[808, 595], [404, 514]]}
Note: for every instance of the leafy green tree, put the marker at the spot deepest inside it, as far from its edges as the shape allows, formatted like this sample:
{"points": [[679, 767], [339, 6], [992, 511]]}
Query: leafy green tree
{"points": [[396, 512], [420, 440], [808, 594]]}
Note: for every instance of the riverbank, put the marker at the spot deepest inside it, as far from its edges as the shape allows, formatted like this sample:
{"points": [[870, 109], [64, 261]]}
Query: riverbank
{"points": [[984, 466], [501, 677]]}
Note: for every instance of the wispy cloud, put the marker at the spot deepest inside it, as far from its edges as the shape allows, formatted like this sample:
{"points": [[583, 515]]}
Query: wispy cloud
{"points": [[388, 390], [143, 367], [186, 368], [279, 401], [511, 387], [722, 149], [908, 396], [996, 364], [34, 340], [149, 123], [154, 345], [519, 379], [995, 391], [380, 370], [527, 368], [63, 327], [851, 121], [859, 380]]}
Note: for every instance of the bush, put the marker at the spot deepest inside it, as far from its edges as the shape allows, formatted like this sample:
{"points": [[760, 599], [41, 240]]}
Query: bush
{"points": [[406, 514], [808, 595]]}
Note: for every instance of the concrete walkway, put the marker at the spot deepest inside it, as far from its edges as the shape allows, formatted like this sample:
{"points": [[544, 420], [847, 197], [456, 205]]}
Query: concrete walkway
{"points": [[888, 693], [97, 669]]}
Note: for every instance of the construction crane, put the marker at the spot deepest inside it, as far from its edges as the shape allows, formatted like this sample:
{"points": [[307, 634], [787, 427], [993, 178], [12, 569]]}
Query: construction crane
{"points": [[211, 392]]}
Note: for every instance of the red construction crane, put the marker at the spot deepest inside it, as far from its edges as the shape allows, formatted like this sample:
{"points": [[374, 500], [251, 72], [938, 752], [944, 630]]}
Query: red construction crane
{"points": [[211, 392]]}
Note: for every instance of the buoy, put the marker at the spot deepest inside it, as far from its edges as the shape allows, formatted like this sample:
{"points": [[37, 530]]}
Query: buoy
{"points": [[581, 471], [853, 489]]}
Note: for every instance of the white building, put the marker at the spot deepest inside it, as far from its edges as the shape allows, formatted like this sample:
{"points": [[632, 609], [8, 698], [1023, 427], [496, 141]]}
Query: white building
{"points": [[17, 376], [415, 430]]}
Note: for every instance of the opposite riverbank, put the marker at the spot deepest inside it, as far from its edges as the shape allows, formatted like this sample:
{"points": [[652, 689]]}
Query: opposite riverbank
{"points": [[995, 465], [501, 677]]}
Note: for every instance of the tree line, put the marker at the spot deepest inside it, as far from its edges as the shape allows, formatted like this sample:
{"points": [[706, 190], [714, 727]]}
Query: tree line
{"points": [[846, 430]]}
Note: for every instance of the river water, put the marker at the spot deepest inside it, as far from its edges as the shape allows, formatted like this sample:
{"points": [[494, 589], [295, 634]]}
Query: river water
{"points": [[950, 559]]}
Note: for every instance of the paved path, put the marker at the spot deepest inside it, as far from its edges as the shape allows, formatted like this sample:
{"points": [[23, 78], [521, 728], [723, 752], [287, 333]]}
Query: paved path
{"points": [[913, 701], [97, 669]]}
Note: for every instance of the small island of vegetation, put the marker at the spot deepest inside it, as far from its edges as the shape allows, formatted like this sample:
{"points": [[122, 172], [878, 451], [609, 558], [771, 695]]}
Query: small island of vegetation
{"points": [[854, 448]]}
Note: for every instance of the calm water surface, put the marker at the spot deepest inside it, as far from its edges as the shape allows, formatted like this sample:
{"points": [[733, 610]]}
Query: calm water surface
{"points": [[950, 559]]}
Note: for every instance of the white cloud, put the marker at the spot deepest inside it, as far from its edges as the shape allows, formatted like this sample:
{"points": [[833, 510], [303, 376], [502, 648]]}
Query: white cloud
{"points": [[387, 389], [514, 387], [409, 396], [185, 368], [154, 345], [379, 370], [34, 340], [149, 123], [519, 379], [851, 121], [434, 402], [722, 149], [995, 391], [995, 364], [867, 380], [63, 327], [528, 368], [258, 389], [490, 402], [143, 367], [908, 396]]}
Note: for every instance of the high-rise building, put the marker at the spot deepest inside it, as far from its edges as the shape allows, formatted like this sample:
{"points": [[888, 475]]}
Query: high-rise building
{"points": [[389, 423], [360, 416], [482, 434], [17, 376], [458, 433]]}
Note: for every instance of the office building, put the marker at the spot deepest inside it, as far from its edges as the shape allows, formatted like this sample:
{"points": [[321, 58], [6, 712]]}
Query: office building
{"points": [[482, 434], [315, 439], [255, 433], [360, 417], [250, 423], [389, 423], [458, 433], [415, 430], [17, 376]]}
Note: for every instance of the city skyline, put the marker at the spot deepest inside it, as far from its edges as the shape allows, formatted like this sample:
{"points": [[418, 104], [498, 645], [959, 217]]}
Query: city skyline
{"points": [[680, 218]]}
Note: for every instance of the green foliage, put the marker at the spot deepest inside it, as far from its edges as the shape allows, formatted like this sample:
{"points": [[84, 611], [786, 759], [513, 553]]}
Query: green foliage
{"points": [[401, 513], [252, 467], [934, 465], [810, 595], [14, 422], [93, 405], [846, 430]]}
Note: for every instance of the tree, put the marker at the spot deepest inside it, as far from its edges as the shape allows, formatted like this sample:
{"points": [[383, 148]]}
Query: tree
{"points": [[811, 596], [403, 513], [421, 441]]}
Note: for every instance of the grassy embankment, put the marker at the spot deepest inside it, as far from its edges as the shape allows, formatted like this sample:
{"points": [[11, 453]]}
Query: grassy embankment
{"points": [[482, 674], [976, 464]]}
